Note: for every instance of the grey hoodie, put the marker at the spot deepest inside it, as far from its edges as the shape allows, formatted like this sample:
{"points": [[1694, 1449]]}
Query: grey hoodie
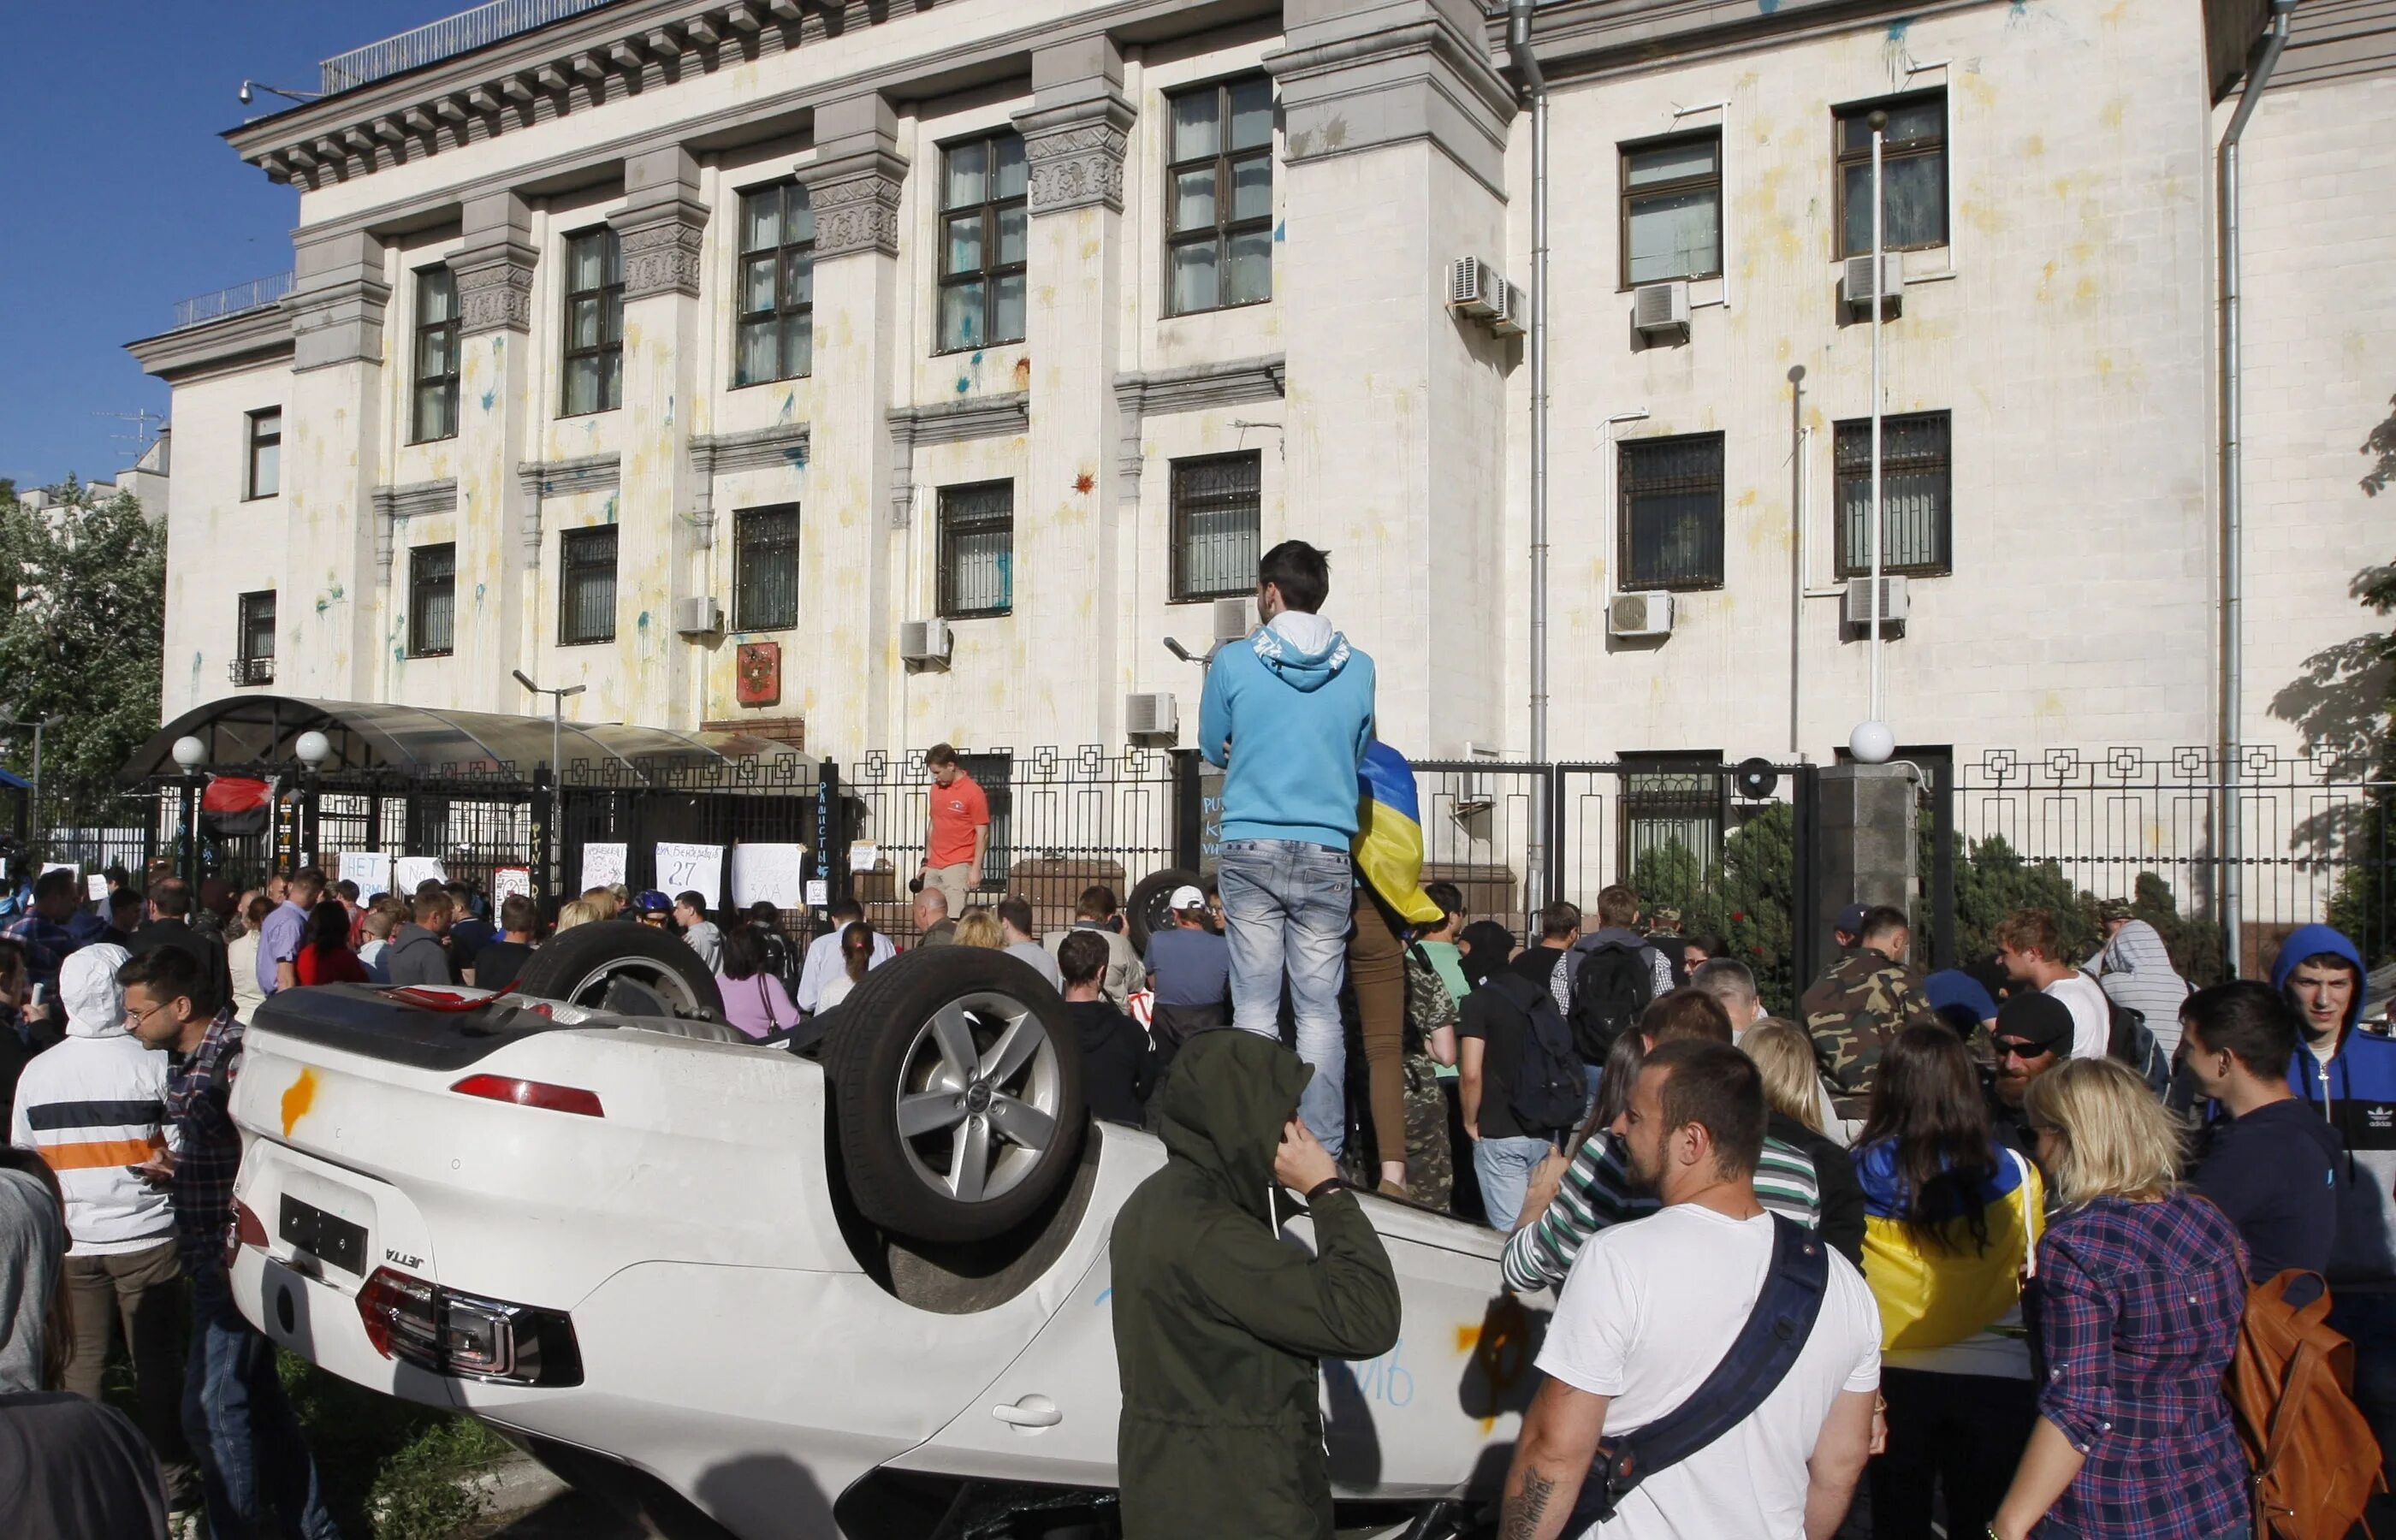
{"points": [[2135, 971], [33, 1239], [418, 957]]}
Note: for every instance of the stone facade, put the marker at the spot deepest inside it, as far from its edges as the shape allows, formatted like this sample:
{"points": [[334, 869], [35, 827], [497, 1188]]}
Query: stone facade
{"points": [[2066, 325]]}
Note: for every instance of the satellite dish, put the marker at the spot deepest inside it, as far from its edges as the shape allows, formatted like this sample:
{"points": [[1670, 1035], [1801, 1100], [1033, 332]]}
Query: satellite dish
{"points": [[1756, 778]]}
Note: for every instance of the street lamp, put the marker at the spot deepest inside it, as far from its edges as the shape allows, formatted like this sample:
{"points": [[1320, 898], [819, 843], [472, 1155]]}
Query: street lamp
{"points": [[41, 833], [1872, 742], [190, 754], [556, 716]]}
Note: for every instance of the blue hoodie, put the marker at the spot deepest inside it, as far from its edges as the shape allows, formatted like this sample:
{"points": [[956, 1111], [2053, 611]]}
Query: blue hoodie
{"points": [[2356, 1091], [1289, 712]]}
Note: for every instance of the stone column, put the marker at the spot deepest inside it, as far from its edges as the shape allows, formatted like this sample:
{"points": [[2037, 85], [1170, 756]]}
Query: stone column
{"points": [[1066, 518], [1395, 124], [498, 523], [846, 617], [661, 227], [330, 464]]}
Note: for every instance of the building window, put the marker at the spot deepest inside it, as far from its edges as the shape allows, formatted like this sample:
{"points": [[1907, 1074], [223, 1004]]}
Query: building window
{"points": [[265, 453], [1218, 251], [594, 323], [436, 355], [1917, 495], [1913, 175], [432, 601], [1672, 209], [766, 568], [586, 586], [1671, 511], [778, 286], [1215, 502], [976, 550], [253, 656], [982, 241], [1671, 819]]}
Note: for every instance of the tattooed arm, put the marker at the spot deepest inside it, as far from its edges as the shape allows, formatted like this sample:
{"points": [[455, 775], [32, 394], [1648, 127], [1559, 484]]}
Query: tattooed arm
{"points": [[1559, 1438]]}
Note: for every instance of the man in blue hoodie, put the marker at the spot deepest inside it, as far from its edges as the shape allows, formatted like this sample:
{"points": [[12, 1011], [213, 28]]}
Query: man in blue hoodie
{"points": [[1289, 713], [2348, 1076]]}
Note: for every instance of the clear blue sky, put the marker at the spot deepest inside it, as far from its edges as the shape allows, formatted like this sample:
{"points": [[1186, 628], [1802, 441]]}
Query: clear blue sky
{"points": [[121, 199]]}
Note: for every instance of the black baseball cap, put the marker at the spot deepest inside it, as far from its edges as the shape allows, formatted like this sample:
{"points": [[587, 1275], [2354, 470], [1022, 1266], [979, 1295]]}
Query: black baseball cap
{"points": [[2040, 1022], [1851, 919]]}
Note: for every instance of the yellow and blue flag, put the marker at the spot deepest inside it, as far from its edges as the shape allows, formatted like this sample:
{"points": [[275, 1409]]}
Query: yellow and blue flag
{"points": [[1389, 846]]}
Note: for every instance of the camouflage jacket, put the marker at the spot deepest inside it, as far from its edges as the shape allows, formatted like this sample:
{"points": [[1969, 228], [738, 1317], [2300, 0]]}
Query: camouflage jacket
{"points": [[1853, 1013]]}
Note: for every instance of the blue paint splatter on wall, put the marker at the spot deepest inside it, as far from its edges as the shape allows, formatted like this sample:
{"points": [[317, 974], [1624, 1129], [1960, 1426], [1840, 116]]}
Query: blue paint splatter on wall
{"points": [[797, 456], [1767, 6], [1280, 230], [963, 384], [1898, 28], [611, 508]]}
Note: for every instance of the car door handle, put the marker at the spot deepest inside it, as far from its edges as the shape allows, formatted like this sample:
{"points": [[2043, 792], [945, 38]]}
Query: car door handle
{"points": [[1029, 1412]]}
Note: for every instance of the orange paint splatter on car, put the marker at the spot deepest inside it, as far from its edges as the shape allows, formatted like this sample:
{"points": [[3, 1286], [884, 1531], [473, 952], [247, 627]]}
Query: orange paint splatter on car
{"points": [[295, 1101]]}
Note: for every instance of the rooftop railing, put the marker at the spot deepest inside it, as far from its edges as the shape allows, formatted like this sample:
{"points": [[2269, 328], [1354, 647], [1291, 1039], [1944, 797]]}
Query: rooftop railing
{"points": [[447, 38], [257, 292]]}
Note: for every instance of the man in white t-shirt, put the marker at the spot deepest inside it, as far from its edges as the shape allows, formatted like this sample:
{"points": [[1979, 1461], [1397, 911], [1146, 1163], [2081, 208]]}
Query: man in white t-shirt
{"points": [[1649, 1313], [2030, 953]]}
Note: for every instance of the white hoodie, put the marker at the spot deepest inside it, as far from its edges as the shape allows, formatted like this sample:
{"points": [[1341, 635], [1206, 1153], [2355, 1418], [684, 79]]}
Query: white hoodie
{"points": [[95, 1105]]}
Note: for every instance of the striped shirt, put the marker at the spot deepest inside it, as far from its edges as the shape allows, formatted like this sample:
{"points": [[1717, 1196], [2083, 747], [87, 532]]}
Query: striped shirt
{"points": [[1596, 1192]]}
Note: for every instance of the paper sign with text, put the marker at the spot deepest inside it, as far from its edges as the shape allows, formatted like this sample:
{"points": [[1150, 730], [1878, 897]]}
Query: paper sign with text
{"points": [[411, 871], [96, 886], [776, 874], [509, 880], [819, 893], [370, 869], [864, 855], [602, 866], [691, 867]]}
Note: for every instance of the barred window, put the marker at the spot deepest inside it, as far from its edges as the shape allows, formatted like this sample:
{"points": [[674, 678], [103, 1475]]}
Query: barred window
{"points": [[976, 550], [436, 356], [594, 323], [1216, 503], [1913, 175], [766, 568], [983, 241], [1672, 209], [1917, 495], [586, 586], [265, 477], [253, 658], [1670, 802], [778, 286], [1219, 243], [1671, 511], [432, 601]]}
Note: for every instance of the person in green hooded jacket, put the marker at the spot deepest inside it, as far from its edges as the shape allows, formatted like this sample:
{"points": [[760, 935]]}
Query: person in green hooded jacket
{"points": [[1219, 1323]]}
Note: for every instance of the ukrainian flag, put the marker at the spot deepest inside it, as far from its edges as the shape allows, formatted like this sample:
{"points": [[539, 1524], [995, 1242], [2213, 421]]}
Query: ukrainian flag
{"points": [[1388, 846]]}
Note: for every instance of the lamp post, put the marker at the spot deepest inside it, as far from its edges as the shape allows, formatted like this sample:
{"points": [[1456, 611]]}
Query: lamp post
{"points": [[556, 852], [40, 829], [314, 749], [190, 754], [1872, 742]]}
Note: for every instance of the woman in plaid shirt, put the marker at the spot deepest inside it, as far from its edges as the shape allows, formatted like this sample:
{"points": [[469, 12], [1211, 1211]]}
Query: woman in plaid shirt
{"points": [[2141, 1289]]}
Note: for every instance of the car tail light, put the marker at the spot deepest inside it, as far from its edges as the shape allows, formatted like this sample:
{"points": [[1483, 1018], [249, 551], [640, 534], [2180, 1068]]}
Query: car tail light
{"points": [[247, 1229], [467, 1336], [524, 1093]]}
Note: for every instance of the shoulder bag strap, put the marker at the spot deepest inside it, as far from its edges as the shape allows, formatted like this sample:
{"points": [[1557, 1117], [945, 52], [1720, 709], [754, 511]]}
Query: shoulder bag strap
{"points": [[1760, 1358], [765, 997]]}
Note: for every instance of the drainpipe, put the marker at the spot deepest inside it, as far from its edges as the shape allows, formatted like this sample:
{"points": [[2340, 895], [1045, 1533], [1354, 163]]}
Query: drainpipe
{"points": [[1535, 86], [2233, 510]]}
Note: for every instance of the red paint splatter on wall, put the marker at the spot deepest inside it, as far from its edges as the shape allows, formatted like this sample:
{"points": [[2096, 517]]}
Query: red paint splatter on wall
{"points": [[1083, 482]]}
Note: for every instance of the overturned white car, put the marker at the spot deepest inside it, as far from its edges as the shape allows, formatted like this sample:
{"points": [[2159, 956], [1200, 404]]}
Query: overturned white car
{"points": [[855, 1289]]}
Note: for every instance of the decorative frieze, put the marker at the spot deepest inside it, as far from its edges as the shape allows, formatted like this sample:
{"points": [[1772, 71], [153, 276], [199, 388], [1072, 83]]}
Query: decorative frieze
{"points": [[663, 258], [1075, 156], [857, 210], [494, 291]]}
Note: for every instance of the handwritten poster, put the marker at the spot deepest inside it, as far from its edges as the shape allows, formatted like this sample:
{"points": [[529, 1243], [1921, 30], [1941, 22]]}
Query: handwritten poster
{"points": [[776, 874], [96, 885], [819, 893], [602, 866], [510, 880], [864, 855], [691, 868], [412, 872], [370, 870]]}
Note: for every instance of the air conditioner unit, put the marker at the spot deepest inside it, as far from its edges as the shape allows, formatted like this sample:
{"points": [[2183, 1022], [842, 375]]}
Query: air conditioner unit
{"points": [[1234, 619], [923, 641], [1151, 716], [1471, 285], [1860, 289], [1856, 606], [1639, 615], [698, 615], [1509, 312], [1661, 310]]}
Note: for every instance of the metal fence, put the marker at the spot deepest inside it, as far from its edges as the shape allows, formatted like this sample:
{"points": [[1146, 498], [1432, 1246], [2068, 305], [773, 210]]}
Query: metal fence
{"points": [[254, 294], [447, 38]]}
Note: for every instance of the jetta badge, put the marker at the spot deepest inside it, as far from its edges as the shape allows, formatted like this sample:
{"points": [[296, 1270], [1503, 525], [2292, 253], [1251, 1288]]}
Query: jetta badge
{"points": [[402, 1259]]}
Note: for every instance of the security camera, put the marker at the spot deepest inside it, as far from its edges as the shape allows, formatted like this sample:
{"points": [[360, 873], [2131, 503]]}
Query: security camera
{"points": [[245, 95]]}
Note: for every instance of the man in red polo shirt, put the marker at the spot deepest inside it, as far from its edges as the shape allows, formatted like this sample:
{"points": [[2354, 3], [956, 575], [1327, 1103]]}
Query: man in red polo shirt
{"points": [[960, 836]]}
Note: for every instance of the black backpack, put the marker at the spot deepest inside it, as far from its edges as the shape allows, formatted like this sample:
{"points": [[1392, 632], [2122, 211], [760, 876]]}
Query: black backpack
{"points": [[1544, 1087], [1611, 989], [2128, 1039]]}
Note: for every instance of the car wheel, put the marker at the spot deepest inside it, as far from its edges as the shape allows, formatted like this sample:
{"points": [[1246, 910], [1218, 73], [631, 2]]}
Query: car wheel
{"points": [[609, 965], [956, 1084], [1146, 913]]}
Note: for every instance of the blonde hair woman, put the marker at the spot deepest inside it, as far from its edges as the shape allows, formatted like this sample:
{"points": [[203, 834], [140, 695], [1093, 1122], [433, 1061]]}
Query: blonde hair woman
{"points": [[978, 927], [576, 912], [1793, 1094], [2142, 1289]]}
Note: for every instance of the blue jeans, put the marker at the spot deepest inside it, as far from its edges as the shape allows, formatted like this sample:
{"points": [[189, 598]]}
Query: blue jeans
{"points": [[251, 1452], [2368, 1320], [1285, 904], [1505, 1167]]}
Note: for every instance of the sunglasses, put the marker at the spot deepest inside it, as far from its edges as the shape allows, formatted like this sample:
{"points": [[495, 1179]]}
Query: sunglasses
{"points": [[2016, 1048]]}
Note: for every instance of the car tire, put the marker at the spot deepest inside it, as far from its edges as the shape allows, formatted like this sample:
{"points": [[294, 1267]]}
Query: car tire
{"points": [[613, 965], [956, 1077], [1145, 913]]}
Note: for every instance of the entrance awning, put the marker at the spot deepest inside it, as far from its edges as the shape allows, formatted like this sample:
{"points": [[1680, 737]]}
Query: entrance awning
{"points": [[248, 730]]}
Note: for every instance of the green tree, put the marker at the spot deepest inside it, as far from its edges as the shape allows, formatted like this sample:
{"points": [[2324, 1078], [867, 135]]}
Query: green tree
{"points": [[81, 631]]}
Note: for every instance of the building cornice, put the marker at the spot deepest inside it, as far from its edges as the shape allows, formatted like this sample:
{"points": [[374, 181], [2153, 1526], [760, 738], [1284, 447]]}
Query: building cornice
{"points": [[1595, 37], [957, 422], [246, 340], [783, 445], [1195, 387], [566, 478]]}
